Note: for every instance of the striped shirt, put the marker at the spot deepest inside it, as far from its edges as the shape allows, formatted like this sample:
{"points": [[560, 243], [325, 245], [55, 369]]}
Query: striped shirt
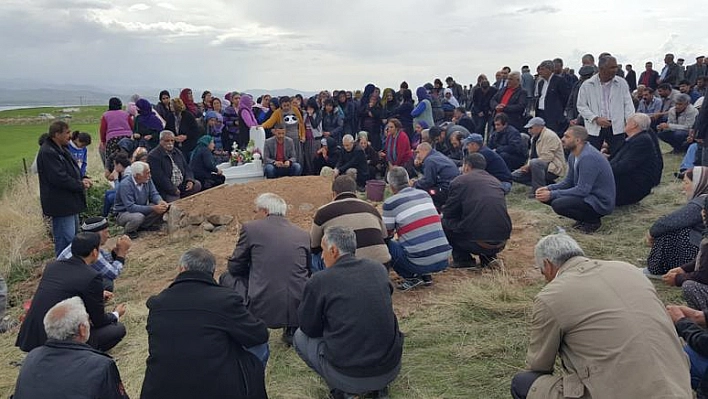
{"points": [[412, 215], [108, 267]]}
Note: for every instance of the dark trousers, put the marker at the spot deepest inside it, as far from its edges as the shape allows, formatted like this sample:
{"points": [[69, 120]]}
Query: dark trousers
{"points": [[614, 141], [575, 208], [439, 197], [463, 248], [522, 382], [675, 138], [106, 337]]}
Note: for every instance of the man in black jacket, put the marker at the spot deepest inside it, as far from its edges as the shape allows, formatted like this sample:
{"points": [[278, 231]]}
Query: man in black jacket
{"points": [[171, 183], [353, 162], [64, 279], [691, 326], [552, 96], [506, 141], [65, 367], [353, 351], [61, 186], [203, 343]]}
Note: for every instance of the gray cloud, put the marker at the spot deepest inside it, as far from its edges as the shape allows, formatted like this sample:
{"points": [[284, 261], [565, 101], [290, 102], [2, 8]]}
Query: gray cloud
{"points": [[543, 9]]}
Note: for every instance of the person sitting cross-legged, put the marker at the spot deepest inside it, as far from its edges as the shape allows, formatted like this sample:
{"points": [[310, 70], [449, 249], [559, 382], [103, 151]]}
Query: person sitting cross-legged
{"points": [[279, 156], [66, 367], [590, 314], [475, 218], [546, 158], [348, 331], [588, 191], [421, 248], [138, 204]]}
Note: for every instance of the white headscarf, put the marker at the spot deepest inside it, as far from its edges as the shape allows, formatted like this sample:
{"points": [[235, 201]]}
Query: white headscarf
{"points": [[452, 100]]}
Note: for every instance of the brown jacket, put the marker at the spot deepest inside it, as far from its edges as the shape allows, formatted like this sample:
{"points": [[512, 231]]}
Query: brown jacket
{"points": [[550, 149], [611, 331]]}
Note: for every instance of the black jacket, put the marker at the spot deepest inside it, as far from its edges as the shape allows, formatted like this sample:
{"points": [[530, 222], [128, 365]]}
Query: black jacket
{"points": [[696, 337], [636, 167], [161, 168], [357, 343], [61, 280], [481, 101], [197, 331], [508, 141], [68, 370], [556, 99], [61, 190], [189, 127], [202, 164], [356, 158], [515, 108]]}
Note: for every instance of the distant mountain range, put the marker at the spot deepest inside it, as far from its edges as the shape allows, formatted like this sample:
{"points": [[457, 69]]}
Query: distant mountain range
{"points": [[28, 93]]}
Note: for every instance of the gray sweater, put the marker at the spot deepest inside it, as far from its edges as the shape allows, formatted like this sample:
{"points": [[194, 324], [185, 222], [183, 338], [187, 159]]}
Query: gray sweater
{"points": [[132, 200]]}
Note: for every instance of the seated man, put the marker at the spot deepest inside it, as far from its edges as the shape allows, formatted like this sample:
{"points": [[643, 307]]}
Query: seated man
{"points": [[588, 191], [459, 117], [685, 87], [437, 138], [109, 264], [457, 151], [65, 366], [421, 247], [138, 204], [198, 335], [354, 351], [64, 279], [681, 118], [279, 156], [171, 183], [353, 162], [590, 314], [348, 210], [475, 218], [438, 172], [270, 264], [546, 158], [649, 103], [495, 164], [636, 166], [506, 141], [691, 326]]}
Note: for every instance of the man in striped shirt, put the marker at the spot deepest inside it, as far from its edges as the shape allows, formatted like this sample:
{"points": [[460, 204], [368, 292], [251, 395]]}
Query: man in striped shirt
{"points": [[421, 247]]}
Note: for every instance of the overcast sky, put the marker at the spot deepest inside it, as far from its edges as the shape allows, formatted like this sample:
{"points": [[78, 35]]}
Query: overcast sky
{"points": [[310, 45]]}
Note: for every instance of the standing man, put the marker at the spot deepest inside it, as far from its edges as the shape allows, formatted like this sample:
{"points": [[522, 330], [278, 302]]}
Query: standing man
{"points": [[270, 264], [348, 331], [528, 83], [546, 158], [650, 77], [588, 191], [553, 93], [171, 173], [696, 70], [605, 104], [670, 72], [198, 335], [631, 78], [589, 314], [438, 173], [61, 186]]}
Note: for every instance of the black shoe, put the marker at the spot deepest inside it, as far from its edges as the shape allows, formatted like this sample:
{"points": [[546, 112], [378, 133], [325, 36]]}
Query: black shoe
{"points": [[463, 264], [410, 283], [337, 394], [589, 228], [288, 333], [133, 235], [486, 260], [380, 394], [427, 280]]}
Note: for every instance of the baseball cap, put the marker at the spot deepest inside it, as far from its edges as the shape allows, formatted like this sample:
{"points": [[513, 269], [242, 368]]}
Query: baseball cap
{"points": [[473, 138], [535, 121]]}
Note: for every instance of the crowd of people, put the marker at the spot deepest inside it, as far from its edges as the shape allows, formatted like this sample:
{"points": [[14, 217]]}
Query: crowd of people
{"points": [[584, 145]]}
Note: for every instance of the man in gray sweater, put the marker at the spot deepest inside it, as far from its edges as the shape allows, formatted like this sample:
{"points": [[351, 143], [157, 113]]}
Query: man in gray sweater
{"points": [[138, 204], [588, 191]]}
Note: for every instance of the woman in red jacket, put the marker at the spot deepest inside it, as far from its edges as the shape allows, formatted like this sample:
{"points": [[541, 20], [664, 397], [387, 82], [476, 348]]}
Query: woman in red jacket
{"points": [[397, 147]]}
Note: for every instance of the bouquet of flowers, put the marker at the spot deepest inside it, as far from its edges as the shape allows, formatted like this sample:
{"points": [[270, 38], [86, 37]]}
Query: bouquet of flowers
{"points": [[240, 157]]}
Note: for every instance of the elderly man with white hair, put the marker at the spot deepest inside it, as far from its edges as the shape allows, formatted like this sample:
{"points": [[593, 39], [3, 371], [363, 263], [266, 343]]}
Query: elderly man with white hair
{"points": [[607, 324], [353, 162], [138, 204], [65, 366], [637, 165]]}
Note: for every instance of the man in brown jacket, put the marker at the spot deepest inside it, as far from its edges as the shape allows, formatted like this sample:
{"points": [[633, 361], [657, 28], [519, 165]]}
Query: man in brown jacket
{"points": [[546, 158], [608, 326]]}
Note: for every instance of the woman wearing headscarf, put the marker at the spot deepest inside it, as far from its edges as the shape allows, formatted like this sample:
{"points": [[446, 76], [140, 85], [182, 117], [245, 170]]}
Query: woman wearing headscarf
{"points": [[388, 104], [403, 111], [203, 163], [205, 105], [231, 121], [273, 105], [313, 135], [370, 113], [423, 111], [183, 124], [246, 120], [397, 150], [188, 100], [328, 155], [147, 125], [675, 238], [163, 106], [116, 124]]}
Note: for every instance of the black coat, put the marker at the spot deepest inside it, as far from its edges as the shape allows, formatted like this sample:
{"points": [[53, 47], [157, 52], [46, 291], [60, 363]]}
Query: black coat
{"points": [[635, 167], [189, 127], [356, 158], [515, 108], [61, 190], [61, 280], [68, 370], [556, 99], [203, 164], [197, 331], [161, 169], [631, 79]]}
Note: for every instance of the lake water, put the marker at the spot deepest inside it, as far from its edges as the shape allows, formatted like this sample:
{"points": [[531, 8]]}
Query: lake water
{"points": [[9, 107]]}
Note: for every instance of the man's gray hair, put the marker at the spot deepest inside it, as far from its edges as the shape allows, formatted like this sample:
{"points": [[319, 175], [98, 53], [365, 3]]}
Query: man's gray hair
{"points": [[547, 64], [398, 178], [341, 237], [139, 167], [557, 248], [642, 120], [515, 73], [425, 147], [62, 321], [198, 259], [348, 138], [683, 98], [272, 203], [166, 133], [604, 60]]}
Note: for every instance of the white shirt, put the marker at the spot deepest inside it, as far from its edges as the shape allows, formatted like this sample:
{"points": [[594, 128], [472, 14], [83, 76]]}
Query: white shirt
{"points": [[544, 90]]}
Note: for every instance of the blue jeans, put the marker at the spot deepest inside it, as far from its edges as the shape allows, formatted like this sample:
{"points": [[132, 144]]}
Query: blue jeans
{"points": [[407, 269], [272, 172], [261, 351], [675, 138], [109, 198], [699, 366], [64, 229], [317, 264], [689, 158]]}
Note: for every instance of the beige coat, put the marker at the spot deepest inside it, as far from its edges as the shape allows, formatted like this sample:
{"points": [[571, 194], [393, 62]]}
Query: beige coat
{"points": [[550, 149], [611, 331]]}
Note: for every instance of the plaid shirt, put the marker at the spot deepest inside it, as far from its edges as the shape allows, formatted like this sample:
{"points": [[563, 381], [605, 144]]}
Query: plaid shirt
{"points": [[105, 264]]}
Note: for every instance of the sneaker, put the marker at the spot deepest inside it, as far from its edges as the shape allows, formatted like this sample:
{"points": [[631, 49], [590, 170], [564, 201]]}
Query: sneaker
{"points": [[410, 283], [427, 279], [588, 228], [650, 275]]}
